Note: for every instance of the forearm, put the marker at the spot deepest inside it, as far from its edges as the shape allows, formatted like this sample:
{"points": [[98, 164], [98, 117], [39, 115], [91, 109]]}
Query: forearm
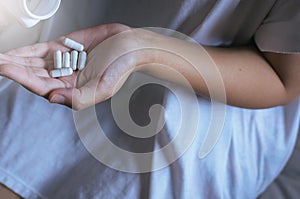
{"points": [[249, 80]]}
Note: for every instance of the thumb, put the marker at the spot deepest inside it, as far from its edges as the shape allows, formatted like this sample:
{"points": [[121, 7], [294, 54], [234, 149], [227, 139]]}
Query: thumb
{"points": [[74, 98], [61, 96]]}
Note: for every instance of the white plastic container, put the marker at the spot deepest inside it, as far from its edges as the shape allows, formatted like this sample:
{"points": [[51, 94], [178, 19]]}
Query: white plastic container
{"points": [[30, 12]]}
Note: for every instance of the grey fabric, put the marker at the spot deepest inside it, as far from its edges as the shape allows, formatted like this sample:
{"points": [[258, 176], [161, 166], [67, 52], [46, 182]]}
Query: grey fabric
{"points": [[41, 154], [280, 30], [287, 183]]}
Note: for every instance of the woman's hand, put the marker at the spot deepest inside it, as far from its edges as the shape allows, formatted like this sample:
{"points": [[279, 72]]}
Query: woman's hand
{"points": [[30, 67], [239, 76]]}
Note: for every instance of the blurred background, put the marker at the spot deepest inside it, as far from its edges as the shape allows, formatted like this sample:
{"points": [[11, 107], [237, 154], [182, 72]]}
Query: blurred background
{"points": [[13, 34]]}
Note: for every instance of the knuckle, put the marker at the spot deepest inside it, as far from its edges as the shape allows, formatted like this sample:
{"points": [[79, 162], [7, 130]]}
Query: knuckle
{"points": [[33, 50], [120, 27], [76, 107], [78, 104], [4, 70], [28, 61]]}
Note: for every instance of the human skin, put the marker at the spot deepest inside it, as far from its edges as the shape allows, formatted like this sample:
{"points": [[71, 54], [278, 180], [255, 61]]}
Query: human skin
{"points": [[6, 193], [251, 79]]}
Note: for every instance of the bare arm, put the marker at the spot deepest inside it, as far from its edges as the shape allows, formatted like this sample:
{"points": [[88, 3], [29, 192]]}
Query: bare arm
{"points": [[256, 80], [249, 78]]}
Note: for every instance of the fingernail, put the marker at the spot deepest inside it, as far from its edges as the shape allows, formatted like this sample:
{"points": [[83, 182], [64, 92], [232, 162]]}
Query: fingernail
{"points": [[58, 99]]}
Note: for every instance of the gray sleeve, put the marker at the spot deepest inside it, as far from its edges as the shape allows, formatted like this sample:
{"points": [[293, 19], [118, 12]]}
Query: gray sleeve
{"points": [[280, 31]]}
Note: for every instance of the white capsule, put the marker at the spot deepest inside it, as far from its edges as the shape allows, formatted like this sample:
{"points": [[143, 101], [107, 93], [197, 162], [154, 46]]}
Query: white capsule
{"points": [[81, 60], [73, 44], [61, 72], [74, 59], [66, 60], [57, 59]]}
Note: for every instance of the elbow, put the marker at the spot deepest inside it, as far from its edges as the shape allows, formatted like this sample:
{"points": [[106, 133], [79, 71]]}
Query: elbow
{"points": [[286, 97], [292, 94]]}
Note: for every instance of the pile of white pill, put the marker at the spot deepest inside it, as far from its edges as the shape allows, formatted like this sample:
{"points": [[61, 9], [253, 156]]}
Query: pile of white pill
{"points": [[65, 62]]}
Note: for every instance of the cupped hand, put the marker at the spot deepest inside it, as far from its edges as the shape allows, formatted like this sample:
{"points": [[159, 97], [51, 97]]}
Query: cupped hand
{"points": [[30, 67]]}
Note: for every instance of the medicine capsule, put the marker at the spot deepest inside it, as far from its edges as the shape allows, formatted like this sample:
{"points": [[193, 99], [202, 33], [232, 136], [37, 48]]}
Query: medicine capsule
{"points": [[57, 59], [81, 60], [61, 72], [66, 60], [74, 59], [73, 44]]}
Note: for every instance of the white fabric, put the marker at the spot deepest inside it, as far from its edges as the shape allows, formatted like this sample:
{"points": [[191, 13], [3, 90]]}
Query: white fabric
{"points": [[41, 155]]}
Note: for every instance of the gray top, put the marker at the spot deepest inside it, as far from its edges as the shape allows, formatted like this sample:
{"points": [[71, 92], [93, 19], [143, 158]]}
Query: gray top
{"points": [[273, 23], [47, 159]]}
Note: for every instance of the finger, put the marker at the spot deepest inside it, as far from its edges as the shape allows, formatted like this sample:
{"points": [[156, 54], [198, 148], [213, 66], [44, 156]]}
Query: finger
{"points": [[78, 99], [25, 61], [36, 50], [94, 90], [71, 97], [91, 37], [36, 80], [61, 96]]}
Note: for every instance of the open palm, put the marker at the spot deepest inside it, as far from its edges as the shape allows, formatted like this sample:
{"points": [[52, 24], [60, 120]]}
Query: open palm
{"points": [[30, 65]]}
